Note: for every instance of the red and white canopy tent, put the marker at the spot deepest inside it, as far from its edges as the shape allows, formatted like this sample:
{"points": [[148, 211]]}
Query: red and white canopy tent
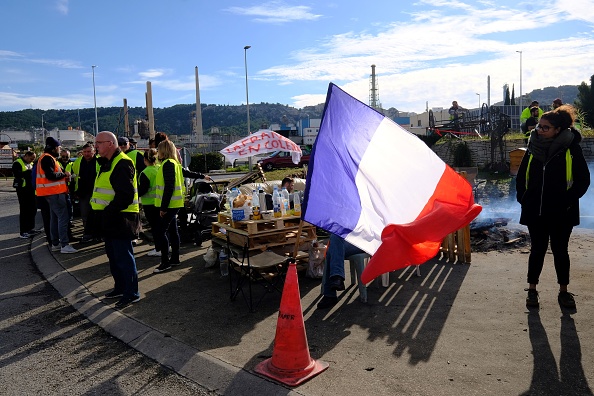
{"points": [[260, 142]]}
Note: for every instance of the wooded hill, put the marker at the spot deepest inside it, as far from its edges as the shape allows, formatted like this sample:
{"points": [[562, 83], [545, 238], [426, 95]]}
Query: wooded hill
{"points": [[231, 120], [171, 120]]}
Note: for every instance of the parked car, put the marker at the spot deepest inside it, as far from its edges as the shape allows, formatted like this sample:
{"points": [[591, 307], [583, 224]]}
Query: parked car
{"points": [[282, 159]]}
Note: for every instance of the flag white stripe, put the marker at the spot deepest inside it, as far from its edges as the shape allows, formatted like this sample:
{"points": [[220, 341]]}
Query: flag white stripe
{"points": [[413, 168]]}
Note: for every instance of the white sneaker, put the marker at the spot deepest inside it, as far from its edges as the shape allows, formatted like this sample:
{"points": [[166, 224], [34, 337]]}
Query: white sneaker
{"points": [[56, 248], [68, 249], [154, 253]]}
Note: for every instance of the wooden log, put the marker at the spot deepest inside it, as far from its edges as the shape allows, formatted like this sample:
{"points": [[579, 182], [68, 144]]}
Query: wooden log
{"points": [[460, 245], [467, 255]]}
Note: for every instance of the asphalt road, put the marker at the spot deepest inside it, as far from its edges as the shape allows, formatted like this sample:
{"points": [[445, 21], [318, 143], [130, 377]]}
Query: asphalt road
{"points": [[456, 330], [49, 348]]}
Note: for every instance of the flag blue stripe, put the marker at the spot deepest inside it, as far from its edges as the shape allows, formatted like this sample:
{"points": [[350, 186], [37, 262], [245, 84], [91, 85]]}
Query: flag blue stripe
{"points": [[331, 196]]}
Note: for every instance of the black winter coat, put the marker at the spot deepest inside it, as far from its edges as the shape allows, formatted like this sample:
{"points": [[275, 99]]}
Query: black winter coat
{"points": [[114, 223], [546, 196]]}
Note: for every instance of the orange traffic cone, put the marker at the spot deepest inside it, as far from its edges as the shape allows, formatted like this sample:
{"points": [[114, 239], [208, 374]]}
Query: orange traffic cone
{"points": [[290, 363]]}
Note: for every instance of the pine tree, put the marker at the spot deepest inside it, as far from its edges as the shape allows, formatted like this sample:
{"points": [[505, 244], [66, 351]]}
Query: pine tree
{"points": [[506, 101], [513, 96], [585, 101]]}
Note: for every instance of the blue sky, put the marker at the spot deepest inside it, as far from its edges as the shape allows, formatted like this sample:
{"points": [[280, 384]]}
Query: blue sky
{"points": [[431, 51]]}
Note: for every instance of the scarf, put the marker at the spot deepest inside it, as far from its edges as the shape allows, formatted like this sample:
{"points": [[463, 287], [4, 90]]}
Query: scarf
{"points": [[544, 148]]}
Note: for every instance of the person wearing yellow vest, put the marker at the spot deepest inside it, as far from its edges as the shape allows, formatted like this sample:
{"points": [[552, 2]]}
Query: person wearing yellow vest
{"points": [[527, 114], [147, 191], [66, 164], [51, 182], [136, 155], [552, 177], [21, 170], [85, 168], [115, 196], [170, 194]]}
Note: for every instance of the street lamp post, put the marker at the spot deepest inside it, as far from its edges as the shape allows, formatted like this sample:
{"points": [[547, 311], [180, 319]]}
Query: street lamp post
{"points": [[95, 100], [521, 104], [247, 99], [479, 95], [43, 127]]}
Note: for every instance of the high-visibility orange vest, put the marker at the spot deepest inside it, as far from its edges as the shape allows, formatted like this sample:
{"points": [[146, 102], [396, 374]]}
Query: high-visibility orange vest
{"points": [[44, 186]]}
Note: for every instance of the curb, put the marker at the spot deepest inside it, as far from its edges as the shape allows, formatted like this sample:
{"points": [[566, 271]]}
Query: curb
{"points": [[200, 367]]}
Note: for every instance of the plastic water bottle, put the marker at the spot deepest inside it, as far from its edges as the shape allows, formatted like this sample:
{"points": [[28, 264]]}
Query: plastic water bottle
{"points": [[276, 202], [285, 202], [224, 263], [296, 204], [262, 199], [232, 195], [255, 205], [229, 199]]}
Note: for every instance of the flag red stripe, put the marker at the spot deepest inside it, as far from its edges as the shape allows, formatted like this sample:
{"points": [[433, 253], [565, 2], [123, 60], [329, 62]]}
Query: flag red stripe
{"points": [[450, 208]]}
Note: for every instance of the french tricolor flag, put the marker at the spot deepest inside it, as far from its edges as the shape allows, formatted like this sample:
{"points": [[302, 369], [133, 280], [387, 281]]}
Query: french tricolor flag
{"points": [[381, 188]]}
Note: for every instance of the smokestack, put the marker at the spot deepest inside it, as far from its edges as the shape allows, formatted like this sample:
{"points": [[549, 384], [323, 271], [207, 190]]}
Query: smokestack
{"points": [[126, 124], [489, 91], [198, 125], [373, 88], [149, 109]]}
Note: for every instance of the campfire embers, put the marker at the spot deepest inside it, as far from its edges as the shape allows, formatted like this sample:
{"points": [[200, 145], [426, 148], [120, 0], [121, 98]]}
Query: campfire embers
{"points": [[491, 234]]}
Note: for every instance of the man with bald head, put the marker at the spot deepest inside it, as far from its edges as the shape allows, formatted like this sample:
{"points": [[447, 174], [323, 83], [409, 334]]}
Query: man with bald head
{"points": [[116, 198]]}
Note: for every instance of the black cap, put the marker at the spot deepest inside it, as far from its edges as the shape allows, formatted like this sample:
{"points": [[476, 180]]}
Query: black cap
{"points": [[52, 142], [132, 140]]}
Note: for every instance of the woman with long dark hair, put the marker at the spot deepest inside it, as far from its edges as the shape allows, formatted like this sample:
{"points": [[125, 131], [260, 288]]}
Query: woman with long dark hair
{"points": [[552, 177]]}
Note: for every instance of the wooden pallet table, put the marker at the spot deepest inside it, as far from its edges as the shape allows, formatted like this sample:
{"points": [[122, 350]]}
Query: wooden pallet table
{"points": [[264, 234], [253, 243]]}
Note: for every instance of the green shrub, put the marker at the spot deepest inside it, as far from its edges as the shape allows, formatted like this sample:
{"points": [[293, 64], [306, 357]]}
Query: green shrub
{"points": [[204, 162], [462, 155]]}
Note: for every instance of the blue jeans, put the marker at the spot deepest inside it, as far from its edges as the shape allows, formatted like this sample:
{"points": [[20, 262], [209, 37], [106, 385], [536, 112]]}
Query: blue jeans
{"points": [[338, 250], [59, 219], [122, 265]]}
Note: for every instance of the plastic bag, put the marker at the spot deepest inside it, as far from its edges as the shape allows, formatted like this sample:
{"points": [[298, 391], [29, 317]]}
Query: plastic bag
{"points": [[315, 267], [210, 257]]}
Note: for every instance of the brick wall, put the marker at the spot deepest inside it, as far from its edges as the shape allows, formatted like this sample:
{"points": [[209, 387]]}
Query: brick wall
{"points": [[481, 150]]}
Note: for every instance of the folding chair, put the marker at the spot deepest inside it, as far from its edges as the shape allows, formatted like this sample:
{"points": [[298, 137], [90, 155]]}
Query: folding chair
{"points": [[266, 269]]}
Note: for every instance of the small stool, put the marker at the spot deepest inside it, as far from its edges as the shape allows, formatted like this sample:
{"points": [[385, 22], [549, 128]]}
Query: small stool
{"points": [[357, 263]]}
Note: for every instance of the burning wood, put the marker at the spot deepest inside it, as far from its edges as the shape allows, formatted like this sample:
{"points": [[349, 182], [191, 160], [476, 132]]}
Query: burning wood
{"points": [[491, 234]]}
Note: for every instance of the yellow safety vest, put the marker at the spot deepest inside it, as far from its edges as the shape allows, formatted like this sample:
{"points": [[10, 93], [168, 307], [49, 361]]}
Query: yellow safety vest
{"points": [[568, 169], [25, 167], [151, 194], [103, 192], [76, 170], [134, 157], [177, 198]]}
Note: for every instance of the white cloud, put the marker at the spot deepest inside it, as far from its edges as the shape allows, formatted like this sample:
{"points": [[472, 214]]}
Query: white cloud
{"points": [[446, 53], [276, 12], [62, 6], [186, 84], [577, 9], [9, 54], [301, 101], [12, 102], [153, 73], [61, 63], [18, 57]]}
